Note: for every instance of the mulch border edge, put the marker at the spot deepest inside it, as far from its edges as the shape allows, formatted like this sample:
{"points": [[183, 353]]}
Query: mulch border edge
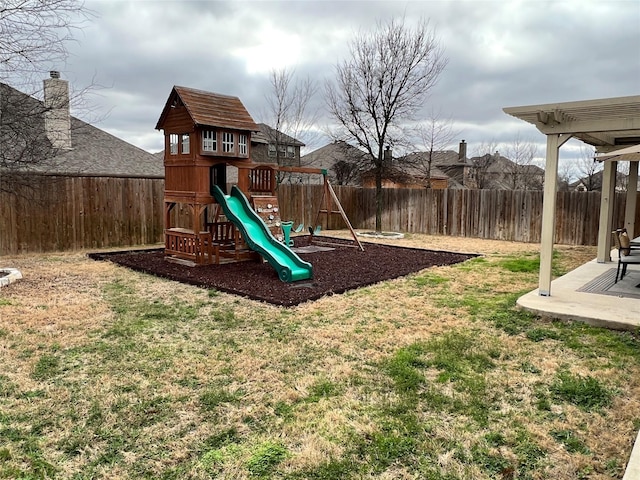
{"points": [[103, 256]]}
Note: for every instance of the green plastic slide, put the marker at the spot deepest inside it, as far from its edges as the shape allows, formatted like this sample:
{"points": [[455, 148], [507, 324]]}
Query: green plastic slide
{"points": [[289, 266]]}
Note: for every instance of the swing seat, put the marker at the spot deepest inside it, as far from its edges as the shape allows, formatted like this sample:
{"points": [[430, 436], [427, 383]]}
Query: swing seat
{"points": [[317, 230], [299, 228]]}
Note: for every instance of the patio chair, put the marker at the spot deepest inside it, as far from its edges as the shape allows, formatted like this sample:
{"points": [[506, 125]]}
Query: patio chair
{"points": [[627, 253]]}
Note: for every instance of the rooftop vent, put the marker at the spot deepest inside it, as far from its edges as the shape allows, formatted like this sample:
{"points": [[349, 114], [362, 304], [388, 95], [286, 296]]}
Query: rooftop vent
{"points": [[54, 74]]}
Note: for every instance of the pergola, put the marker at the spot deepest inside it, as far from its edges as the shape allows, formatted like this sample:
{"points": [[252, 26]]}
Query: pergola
{"points": [[608, 124]]}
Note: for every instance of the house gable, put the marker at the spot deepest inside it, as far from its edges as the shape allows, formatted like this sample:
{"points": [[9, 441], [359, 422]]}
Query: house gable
{"points": [[343, 161], [269, 145]]}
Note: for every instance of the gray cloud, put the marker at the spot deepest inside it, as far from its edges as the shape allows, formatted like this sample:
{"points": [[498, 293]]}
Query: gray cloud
{"points": [[501, 54]]}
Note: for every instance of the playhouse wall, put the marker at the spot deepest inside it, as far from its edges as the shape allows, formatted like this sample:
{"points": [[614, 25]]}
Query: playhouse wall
{"points": [[178, 121]]}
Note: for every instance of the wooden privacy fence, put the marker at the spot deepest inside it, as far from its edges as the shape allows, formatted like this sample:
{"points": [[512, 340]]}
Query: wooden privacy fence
{"points": [[72, 213], [514, 215]]}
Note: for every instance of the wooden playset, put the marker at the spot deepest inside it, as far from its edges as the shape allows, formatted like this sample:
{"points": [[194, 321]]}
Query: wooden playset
{"points": [[205, 133]]}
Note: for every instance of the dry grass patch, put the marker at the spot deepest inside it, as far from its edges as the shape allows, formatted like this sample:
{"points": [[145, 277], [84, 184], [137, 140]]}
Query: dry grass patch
{"points": [[108, 373]]}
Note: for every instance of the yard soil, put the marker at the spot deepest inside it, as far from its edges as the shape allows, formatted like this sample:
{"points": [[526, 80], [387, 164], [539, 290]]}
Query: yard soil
{"points": [[336, 271]]}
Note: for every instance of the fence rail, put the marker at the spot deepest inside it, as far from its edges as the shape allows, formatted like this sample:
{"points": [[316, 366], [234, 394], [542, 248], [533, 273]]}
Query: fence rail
{"points": [[72, 213]]}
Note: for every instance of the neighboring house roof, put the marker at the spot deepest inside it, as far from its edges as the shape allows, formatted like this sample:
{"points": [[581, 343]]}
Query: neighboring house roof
{"points": [[585, 184], [328, 155], [500, 164], [499, 171], [267, 134], [98, 153], [93, 152], [208, 109], [440, 158], [417, 172], [442, 166], [406, 177], [595, 182]]}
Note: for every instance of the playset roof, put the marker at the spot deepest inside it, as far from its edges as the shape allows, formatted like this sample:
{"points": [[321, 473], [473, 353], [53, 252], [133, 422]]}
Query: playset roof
{"points": [[208, 109]]}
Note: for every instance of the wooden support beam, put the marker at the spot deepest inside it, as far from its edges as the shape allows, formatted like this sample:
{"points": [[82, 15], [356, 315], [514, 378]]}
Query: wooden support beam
{"points": [[309, 170], [342, 212]]}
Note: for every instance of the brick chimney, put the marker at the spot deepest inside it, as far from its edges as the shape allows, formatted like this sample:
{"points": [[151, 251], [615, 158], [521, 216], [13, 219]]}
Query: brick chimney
{"points": [[57, 120], [388, 157], [462, 151]]}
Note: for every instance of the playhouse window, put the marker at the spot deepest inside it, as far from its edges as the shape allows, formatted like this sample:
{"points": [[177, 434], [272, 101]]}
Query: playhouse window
{"points": [[291, 151], [173, 143], [209, 141], [185, 143], [227, 142], [272, 149], [242, 144]]}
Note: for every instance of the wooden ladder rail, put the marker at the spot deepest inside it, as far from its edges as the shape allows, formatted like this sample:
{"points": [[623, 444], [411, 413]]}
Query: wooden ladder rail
{"points": [[329, 196]]}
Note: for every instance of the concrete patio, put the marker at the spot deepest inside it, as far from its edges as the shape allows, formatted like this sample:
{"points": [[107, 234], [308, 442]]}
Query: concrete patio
{"points": [[588, 294]]}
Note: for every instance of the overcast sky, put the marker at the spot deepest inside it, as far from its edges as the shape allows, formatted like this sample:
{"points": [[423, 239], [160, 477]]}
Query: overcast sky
{"points": [[501, 53]]}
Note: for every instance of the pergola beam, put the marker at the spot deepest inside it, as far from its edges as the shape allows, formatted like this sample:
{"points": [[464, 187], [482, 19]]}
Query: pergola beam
{"points": [[590, 126], [598, 139]]}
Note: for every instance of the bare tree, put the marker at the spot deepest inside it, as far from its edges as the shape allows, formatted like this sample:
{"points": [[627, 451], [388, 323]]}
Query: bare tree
{"points": [[34, 35], [348, 163], [344, 172], [521, 173], [289, 110], [588, 169], [383, 84], [485, 156], [434, 135], [622, 175], [566, 174]]}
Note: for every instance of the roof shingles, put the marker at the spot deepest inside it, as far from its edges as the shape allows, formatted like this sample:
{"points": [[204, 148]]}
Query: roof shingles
{"points": [[210, 109], [93, 152]]}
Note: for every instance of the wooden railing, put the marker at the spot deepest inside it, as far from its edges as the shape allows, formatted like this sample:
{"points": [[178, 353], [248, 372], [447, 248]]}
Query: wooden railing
{"points": [[188, 245], [262, 180]]}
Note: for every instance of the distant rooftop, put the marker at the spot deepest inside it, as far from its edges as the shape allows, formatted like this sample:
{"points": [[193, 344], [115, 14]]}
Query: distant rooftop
{"points": [[93, 152], [267, 134]]}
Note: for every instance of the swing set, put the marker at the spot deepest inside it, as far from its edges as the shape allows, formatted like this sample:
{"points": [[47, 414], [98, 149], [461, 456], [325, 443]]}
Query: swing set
{"points": [[329, 205]]}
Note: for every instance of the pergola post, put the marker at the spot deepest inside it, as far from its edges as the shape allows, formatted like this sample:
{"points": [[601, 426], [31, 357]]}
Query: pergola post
{"points": [[607, 201], [632, 195], [554, 142]]}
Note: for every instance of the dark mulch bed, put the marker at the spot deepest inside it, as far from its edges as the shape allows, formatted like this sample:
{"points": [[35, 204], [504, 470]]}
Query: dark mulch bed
{"points": [[335, 271]]}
